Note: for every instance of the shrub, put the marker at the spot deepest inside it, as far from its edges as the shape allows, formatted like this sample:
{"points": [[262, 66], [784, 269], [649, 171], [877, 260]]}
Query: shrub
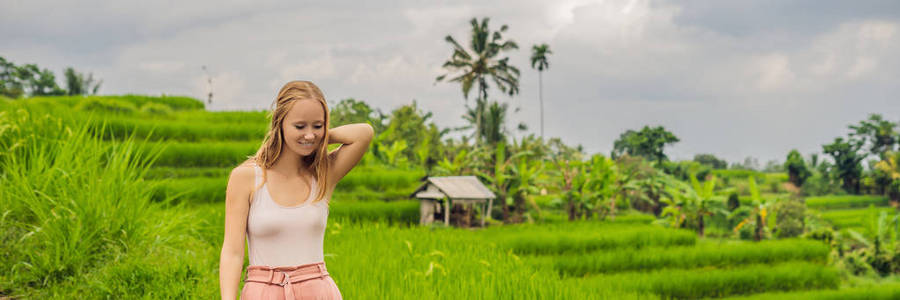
{"points": [[152, 108], [789, 218], [105, 105]]}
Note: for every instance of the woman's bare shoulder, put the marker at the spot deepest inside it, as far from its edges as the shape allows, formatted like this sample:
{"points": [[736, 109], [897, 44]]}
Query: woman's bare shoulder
{"points": [[243, 174]]}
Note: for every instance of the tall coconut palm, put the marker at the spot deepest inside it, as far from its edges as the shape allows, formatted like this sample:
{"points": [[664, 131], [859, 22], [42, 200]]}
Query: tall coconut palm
{"points": [[539, 61], [480, 63]]}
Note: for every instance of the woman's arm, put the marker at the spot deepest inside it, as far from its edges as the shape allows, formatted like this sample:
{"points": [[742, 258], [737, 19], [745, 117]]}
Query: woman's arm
{"points": [[354, 140], [237, 206]]}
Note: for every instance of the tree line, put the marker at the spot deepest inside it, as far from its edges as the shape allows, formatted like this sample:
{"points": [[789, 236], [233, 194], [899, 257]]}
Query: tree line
{"points": [[29, 80]]}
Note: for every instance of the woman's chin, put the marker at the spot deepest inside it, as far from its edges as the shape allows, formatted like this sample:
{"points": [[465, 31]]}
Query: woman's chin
{"points": [[304, 152]]}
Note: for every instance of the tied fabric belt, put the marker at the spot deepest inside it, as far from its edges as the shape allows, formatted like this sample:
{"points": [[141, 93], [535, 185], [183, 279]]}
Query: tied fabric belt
{"points": [[285, 276]]}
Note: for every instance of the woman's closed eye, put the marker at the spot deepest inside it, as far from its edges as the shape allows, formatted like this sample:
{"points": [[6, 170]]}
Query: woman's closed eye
{"points": [[314, 126]]}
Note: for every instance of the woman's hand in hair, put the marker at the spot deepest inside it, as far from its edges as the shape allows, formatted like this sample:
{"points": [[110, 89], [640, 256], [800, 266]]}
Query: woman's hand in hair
{"points": [[354, 140]]}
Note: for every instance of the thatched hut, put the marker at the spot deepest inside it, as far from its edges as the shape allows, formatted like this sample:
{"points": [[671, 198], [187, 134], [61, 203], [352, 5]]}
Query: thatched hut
{"points": [[437, 194]]}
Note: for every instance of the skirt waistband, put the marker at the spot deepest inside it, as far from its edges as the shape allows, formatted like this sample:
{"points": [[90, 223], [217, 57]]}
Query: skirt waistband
{"points": [[285, 276]]}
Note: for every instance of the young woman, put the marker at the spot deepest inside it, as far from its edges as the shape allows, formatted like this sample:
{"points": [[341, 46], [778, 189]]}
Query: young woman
{"points": [[278, 200]]}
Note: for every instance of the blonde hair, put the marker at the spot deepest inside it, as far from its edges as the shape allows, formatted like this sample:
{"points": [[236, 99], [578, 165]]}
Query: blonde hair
{"points": [[271, 147]]}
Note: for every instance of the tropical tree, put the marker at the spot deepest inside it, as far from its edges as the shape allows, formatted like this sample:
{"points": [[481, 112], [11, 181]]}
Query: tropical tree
{"points": [[456, 166], [349, 111], [480, 63], [80, 84], [539, 61], [10, 85], [492, 128], [796, 168], [889, 168], [500, 177], [711, 160], [648, 142], [26, 80], [692, 203], [642, 183], [525, 182], [587, 185], [880, 134], [847, 160], [758, 216]]}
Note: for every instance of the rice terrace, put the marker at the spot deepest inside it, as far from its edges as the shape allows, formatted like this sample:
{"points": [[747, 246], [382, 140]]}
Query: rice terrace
{"points": [[122, 195]]}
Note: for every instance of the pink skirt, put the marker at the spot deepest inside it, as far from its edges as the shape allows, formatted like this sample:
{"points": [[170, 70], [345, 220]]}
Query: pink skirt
{"points": [[310, 281]]}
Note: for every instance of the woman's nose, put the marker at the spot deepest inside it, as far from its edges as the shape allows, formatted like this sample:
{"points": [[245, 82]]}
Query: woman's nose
{"points": [[309, 135]]}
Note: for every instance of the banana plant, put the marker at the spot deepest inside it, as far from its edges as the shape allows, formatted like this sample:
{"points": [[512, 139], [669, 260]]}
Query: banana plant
{"points": [[604, 177], [890, 166], [457, 166], [646, 191], [525, 182], [502, 178], [691, 202], [423, 150], [587, 185], [759, 215], [394, 154]]}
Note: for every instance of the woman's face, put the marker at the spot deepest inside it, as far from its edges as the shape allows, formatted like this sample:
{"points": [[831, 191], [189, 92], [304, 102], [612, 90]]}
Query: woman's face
{"points": [[304, 126]]}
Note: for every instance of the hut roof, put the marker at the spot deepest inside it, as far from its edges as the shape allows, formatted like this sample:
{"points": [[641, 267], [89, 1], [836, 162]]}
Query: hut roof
{"points": [[453, 187]]}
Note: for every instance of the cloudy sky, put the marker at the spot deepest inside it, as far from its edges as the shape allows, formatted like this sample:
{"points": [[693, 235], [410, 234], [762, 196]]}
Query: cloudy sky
{"points": [[736, 79]]}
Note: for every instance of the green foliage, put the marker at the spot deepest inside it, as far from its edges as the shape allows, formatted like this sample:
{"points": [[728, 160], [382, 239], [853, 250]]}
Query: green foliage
{"points": [[26, 80], [888, 171], [847, 161], [79, 84], [477, 65], [733, 201], [493, 119], [350, 111], [641, 184], [409, 137], [68, 189], [684, 169], [711, 160], [796, 168], [648, 142], [880, 134], [688, 205], [758, 216], [789, 217], [29, 80], [587, 186], [106, 106]]}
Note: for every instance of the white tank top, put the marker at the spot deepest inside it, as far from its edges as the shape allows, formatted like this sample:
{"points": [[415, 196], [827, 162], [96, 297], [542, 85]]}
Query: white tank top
{"points": [[285, 235]]}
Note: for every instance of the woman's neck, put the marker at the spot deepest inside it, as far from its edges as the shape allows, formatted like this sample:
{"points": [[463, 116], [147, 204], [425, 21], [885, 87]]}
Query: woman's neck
{"points": [[290, 164]]}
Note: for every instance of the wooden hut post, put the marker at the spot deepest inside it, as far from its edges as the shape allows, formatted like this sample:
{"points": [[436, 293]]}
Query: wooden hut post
{"points": [[487, 214], [446, 211]]}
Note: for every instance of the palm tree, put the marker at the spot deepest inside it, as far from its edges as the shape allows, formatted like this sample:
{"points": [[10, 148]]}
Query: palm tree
{"points": [[480, 63], [492, 119], [539, 60]]}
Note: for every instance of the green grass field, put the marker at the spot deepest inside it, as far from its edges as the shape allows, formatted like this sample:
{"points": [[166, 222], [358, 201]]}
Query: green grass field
{"points": [[82, 216]]}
